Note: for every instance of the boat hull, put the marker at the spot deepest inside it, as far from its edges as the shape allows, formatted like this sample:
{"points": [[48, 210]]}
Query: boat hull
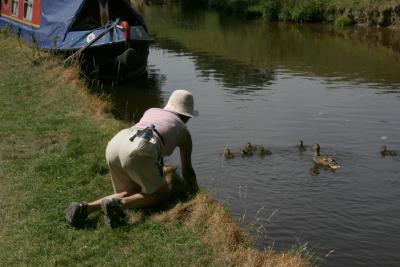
{"points": [[115, 62]]}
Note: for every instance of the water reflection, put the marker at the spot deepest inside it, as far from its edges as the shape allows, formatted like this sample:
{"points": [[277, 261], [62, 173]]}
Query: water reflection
{"points": [[308, 50], [132, 98], [316, 170], [235, 76]]}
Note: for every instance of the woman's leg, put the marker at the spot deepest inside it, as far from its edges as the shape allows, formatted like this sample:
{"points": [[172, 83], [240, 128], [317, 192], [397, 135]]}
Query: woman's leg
{"points": [[141, 200], [96, 205]]}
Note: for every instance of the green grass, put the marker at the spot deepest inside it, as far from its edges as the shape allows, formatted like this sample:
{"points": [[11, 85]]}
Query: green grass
{"points": [[3, 32], [299, 11], [343, 21], [316, 10], [361, 3], [51, 153]]}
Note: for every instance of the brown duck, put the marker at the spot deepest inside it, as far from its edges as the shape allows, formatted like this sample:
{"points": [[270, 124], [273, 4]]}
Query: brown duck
{"points": [[323, 160]]}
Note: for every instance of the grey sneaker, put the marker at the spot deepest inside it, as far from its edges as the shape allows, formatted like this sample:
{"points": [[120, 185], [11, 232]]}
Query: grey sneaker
{"points": [[114, 216], [76, 213]]}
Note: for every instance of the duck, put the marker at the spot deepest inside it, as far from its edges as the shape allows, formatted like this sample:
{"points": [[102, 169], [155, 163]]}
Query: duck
{"points": [[301, 146], [387, 152], [323, 160], [262, 151], [228, 154], [248, 149]]}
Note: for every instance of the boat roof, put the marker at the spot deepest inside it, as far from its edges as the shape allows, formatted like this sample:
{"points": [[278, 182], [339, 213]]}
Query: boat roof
{"points": [[57, 18]]}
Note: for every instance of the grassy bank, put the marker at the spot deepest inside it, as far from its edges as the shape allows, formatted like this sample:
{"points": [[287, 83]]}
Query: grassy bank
{"points": [[342, 12], [53, 135]]}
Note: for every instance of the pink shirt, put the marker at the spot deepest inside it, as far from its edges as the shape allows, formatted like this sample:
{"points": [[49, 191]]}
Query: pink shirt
{"points": [[168, 125]]}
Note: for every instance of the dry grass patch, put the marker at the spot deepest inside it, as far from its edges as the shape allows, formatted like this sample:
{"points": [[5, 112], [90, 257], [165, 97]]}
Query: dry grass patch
{"points": [[96, 105], [213, 224]]}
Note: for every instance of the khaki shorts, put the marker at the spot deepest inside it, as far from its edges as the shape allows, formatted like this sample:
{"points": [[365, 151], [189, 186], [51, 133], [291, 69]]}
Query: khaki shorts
{"points": [[135, 163]]}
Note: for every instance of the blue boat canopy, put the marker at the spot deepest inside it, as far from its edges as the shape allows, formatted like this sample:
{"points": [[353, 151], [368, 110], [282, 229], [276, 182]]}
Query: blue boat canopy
{"points": [[59, 17]]}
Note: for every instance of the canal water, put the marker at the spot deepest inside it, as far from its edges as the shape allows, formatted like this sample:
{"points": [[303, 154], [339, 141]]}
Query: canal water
{"points": [[273, 85]]}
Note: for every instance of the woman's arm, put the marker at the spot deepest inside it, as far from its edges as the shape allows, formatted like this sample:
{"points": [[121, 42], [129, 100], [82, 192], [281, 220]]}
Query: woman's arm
{"points": [[186, 162]]}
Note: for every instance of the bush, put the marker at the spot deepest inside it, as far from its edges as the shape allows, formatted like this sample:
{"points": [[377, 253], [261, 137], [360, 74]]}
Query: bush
{"points": [[285, 13], [4, 32], [307, 11], [195, 3], [238, 6], [220, 4], [343, 21], [271, 9]]}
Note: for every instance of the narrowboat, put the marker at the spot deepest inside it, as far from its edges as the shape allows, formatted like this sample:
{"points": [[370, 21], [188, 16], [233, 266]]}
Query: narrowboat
{"points": [[108, 36]]}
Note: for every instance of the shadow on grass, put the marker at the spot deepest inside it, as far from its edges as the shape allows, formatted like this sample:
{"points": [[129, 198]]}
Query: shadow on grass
{"points": [[179, 193], [91, 222]]}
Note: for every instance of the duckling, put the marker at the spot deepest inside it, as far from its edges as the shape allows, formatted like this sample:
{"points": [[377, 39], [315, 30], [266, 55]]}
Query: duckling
{"points": [[262, 151], [323, 160], [301, 146], [387, 152], [228, 154], [248, 149]]}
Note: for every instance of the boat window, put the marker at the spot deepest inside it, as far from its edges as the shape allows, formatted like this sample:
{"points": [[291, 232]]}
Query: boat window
{"points": [[5, 4], [14, 8], [28, 6]]}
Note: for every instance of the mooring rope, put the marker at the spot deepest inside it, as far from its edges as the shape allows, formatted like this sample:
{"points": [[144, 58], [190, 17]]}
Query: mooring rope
{"points": [[78, 53]]}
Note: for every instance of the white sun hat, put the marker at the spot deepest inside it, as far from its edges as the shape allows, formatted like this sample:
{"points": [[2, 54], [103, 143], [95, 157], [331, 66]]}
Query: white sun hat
{"points": [[181, 101]]}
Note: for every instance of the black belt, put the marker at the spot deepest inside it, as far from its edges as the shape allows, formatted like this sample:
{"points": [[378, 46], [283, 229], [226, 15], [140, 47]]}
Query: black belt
{"points": [[161, 161], [160, 136]]}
